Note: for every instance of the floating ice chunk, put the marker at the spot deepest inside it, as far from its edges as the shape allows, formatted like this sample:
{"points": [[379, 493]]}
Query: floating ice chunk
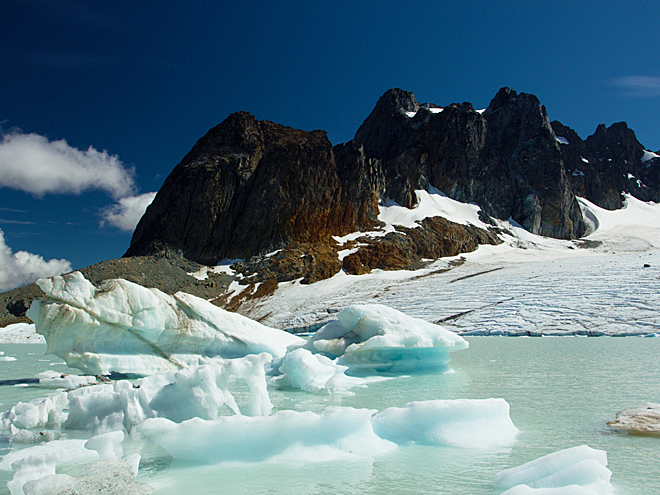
{"points": [[69, 452], [53, 379], [202, 391], [124, 327], [644, 420], [97, 409], [20, 333], [197, 391], [289, 436], [37, 413], [48, 485], [108, 445], [578, 470], [111, 477], [314, 373], [373, 338], [480, 423], [28, 437], [31, 468], [6, 358]]}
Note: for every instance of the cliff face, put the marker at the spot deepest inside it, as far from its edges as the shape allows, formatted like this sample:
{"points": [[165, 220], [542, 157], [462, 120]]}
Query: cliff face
{"points": [[252, 187], [506, 159], [609, 162], [249, 187]]}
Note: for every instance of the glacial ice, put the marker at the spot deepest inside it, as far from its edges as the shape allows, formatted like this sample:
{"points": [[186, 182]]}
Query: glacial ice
{"points": [[197, 391], [107, 445], [578, 470], [373, 338], [116, 477], [35, 467], [53, 379], [286, 436], [35, 414], [314, 373], [193, 353], [121, 326], [68, 451], [468, 423]]}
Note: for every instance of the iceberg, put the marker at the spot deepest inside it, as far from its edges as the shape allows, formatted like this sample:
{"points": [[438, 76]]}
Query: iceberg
{"points": [[124, 327], [286, 436], [575, 471], [35, 414], [33, 468], [314, 373], [467, 423], [376, 339]]}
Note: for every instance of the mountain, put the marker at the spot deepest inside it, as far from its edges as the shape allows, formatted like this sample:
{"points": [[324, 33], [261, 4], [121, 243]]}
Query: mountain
{"points": [[249, 188], [278, 200]]}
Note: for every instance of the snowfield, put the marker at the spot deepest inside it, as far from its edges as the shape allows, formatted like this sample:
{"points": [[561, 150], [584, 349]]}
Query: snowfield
{"points": [[604, 284]]}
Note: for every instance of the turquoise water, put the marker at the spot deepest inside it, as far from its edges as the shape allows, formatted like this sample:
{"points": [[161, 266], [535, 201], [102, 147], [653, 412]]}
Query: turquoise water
{"points": [[562, 391]]}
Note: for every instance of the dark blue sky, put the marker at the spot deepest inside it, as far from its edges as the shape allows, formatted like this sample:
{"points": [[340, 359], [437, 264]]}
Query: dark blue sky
{"points": [[145, 80]]}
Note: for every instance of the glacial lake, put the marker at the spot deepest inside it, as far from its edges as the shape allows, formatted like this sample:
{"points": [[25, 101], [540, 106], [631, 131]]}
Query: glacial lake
{"points": [[561, 390]]}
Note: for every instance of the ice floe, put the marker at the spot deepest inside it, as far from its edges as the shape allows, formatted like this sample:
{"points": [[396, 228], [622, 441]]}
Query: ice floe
{"points": [[373, 338], [574, 471], [469, 423], [286, 436]]}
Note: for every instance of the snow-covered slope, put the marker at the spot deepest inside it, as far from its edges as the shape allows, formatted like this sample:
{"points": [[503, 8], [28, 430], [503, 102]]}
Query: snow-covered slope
{"points": [[528, 285]]}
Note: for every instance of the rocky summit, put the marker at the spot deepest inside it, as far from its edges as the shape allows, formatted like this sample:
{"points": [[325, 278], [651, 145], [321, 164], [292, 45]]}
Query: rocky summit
{"points": [[252, 188]]}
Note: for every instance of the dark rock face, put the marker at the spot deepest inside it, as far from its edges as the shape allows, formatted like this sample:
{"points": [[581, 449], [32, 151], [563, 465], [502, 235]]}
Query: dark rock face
{"points": [[620, 155], [251, 187], [608, 163], [584, 172], [506, 160], [17, 308]]}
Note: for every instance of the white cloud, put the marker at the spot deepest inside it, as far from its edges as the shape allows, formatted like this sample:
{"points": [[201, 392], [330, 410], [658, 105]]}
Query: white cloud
{"points": [[126, 213], [639, 86], [22, 268], [32, 163]]}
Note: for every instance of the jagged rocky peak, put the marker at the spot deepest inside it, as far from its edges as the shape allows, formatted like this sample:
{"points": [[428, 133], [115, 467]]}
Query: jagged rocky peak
{"points": [[610, 162], [527, 180], [387, 124], [506, 160], [615, 142]]}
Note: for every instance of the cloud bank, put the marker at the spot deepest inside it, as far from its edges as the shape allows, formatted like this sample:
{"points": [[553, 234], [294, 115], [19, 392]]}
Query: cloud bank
{"points": [[32, 163], [22, 268], [639, 86], [126, 213]]}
